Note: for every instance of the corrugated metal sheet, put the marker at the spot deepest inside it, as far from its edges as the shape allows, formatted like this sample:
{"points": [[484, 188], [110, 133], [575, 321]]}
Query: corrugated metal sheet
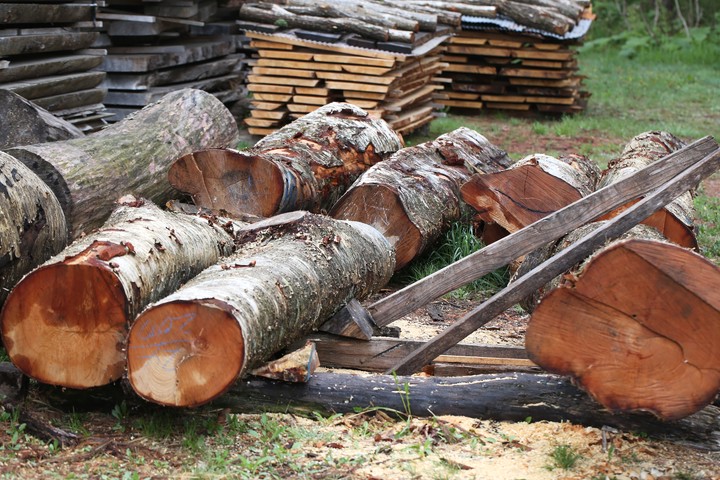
{"points": [[504, 24]]}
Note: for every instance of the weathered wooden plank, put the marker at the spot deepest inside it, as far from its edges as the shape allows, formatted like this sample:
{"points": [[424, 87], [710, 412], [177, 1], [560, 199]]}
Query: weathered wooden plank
{"points": [[27, 44], [55, 65], [71, 100], [146, 62], [18, 13], [140, 98], [55, 85]]}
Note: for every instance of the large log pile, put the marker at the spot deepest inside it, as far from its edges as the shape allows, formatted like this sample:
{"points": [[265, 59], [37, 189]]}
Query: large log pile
{"points": [[88, 174], [306, 165], [45, 57]]}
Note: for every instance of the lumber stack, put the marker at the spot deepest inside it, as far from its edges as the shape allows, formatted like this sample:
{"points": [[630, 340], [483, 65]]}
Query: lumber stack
{"points": [[293, 76], [155, 48], [45, 57], [378, 57], [516, 62]]}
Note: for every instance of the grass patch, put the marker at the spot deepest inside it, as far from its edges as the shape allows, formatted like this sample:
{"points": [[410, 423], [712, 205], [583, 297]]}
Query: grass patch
{"points": [[459, 242], [564, 457], [708, 226]]}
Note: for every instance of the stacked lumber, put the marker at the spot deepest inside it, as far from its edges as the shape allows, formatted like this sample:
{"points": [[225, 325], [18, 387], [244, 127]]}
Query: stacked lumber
{"points": [[45, 57], [506, 71], [293, 76], [156, 48]]}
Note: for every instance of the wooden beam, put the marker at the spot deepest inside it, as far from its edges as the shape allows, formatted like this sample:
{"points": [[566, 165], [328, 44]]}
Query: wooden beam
{"points": [[559, 264]]}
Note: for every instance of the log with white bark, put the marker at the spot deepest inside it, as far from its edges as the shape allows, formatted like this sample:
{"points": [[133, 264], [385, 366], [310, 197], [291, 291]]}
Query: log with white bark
{"points": [[638, 329], [539, 17], [132, 156], [530, 189], [25, 123], [355, 11], [508, 396], [32, 224], [414, 196], [191, 346], [65, 323], [675, 221], [306, 165]]}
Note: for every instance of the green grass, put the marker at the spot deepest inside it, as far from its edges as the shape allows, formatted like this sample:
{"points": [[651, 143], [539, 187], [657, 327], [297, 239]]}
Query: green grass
{"points": [[563, 457], [457, 243]]}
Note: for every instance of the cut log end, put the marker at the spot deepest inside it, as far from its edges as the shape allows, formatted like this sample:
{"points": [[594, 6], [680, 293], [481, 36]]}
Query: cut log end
{"points": [[379, 206], [184, 353], [517, 197], [637, 330], [230, 180], [59, 335]]}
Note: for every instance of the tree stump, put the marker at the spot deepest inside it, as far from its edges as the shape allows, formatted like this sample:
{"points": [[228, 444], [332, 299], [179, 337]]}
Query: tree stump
{"points": [[529, 190], [32, 224], [191, 346], [414, 196], [132, 156], [306, 165], [66, 322], [675, 220], [638, 329]]}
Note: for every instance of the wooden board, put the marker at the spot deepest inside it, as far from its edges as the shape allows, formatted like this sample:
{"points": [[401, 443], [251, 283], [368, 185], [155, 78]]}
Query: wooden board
{"points": [[268, 80], [140, 98], [55, 85], [71, 100], [137, 61], [16, 13], [27, 44], [53, 65]]}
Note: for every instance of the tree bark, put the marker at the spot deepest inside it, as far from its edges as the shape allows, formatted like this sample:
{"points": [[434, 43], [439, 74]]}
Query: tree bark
{"points": [[530, 189], [25, 123], [537, 17], [414, 196], [88, 174], [675, 220], [507, 397], [32, 224], [637, 329], [66, 322], [306, 165], [190, 347], [359, 11]]}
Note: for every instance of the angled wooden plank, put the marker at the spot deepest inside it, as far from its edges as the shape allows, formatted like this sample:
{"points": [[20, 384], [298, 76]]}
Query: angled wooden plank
{"points": [[355, 60], [298, 65], [360, 87], [17, 13], [294, 41], [268, 80], [316, 91], [560, 263], [124, 62], [350, 77], [283, 72], [271, 97], [313, 100], [272, 89], [71, 100], [284, 55], [140, 98]]}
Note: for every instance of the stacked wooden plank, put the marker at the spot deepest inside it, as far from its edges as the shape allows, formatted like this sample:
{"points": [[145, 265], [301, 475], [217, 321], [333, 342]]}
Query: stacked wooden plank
{"points": [[158, 47], [510, 72], [44, 57], [293, 77]]}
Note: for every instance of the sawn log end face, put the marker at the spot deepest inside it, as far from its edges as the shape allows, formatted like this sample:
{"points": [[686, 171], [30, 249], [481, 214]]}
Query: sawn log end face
{"points": [[639, 330], [62, 321], [184, 353]]}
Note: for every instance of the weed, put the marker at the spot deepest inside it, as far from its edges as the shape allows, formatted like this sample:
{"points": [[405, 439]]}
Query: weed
{"points": [[564, 457], [121, 413], [539, 128], [708, 233], [243, 145], [685, 475]]}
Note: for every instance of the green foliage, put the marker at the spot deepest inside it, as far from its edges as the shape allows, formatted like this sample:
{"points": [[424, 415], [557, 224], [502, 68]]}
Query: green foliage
{"points": [[564, 457], [708, 233], [459, 242]]}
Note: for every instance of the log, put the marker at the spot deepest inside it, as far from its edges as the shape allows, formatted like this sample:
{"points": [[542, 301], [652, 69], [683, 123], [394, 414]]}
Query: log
{"points": [[530, 189], [297, 366], [306, 165], [32, 224], [66, 322], [637, 329], [26, 123], [505, 397], [360, 11], [675, 220], [537, 17], [542, 274], [414, 196], [190, 347], [88, 174]]}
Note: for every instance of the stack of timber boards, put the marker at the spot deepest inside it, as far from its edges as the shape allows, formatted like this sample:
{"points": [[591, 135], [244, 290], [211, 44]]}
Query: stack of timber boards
{"points": [[45, 57], [508, 71], [156, 47], [292, 77]]}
